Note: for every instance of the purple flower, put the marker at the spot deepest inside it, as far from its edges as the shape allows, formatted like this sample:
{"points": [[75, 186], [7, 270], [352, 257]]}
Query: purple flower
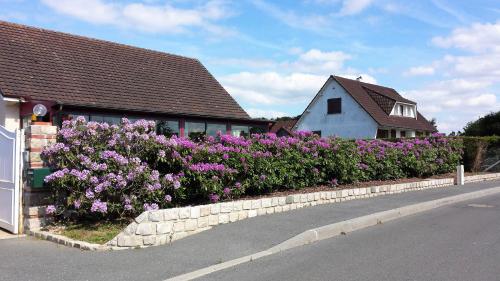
{"points": [[89, 194], [151, 207], [177, 184], [99, 206], [168, 198], [77, 204], [225, 156], [237, 185], [50, 209], [262, 177], [214, 198], [226, 191]]}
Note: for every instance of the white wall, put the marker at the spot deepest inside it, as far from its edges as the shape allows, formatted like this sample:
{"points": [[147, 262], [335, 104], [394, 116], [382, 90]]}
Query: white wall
{"points": [[9, 114], [353, 122]]}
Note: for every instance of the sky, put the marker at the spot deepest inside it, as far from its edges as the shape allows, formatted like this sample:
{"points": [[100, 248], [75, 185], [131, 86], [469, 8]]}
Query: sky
{"points": [[274, 56]]}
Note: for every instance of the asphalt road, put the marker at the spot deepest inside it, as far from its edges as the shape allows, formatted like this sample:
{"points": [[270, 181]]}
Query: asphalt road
{"points": [[32, 259], [457, 242]]}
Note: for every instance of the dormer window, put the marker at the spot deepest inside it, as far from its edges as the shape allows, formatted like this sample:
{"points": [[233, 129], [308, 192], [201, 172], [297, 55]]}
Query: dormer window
{"points": [[404, 110]]}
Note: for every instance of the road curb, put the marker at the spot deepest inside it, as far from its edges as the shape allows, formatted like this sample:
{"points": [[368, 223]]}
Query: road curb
{"points": [[339, 228]]}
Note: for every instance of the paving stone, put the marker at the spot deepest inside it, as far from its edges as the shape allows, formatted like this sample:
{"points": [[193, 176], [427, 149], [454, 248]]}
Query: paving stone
{"points": [[129, 241]]}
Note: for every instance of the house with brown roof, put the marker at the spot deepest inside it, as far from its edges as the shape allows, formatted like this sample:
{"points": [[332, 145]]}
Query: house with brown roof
{"points": [[103, 81], [283, 127], [354, 109]]}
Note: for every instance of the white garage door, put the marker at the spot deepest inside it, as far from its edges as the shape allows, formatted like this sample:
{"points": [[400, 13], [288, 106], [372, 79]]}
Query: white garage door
{"points": [[10, 165]]}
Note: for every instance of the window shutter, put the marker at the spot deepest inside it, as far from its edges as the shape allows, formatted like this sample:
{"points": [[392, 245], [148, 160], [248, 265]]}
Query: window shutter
{"points": [[334, 106]]}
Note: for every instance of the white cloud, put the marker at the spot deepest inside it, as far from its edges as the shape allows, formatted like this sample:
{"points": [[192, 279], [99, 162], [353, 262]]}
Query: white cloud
{"points": [[352, 7], [469, 84], [257, 113], [144, 16], [420, 70], [479, 37], [289, 82]]}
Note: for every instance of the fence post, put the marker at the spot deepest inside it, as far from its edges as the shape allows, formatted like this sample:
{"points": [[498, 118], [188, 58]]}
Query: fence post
{"points": [[460, 178]]}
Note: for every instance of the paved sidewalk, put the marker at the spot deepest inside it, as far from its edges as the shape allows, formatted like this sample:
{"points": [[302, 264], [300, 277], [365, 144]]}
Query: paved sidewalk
{"points": [[30, 259]]}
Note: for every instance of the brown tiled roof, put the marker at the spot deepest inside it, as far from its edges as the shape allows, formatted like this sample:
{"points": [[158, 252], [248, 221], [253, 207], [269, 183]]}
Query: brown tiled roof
{"points": [[287, 125], [73, 70], [383, 101], [360, 91]]}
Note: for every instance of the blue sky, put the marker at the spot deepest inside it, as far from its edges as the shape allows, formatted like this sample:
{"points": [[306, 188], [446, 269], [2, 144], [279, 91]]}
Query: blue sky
{"points": [[273, 56]]}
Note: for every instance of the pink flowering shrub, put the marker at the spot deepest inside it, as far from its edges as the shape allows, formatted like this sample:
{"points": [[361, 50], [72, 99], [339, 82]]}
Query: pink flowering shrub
{"points": [[110, 171]]}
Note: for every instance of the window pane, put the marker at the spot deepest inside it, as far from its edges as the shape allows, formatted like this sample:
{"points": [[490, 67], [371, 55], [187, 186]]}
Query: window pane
{"points": [[111, 120], [195, 130], [96, 118], [212, 129], [167, 128], [239, 131]]}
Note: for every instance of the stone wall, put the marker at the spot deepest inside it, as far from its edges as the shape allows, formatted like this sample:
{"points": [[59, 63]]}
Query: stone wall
{"points": [[164, 226], [37, 136]]}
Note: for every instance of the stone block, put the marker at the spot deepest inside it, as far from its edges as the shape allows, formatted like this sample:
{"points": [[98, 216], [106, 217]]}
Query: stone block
{"points": [[179, 226], [252, 213], [149, 240], [142, 217], [233, 217], [184, 213], [213, 219], [223, 218], [179, 235], [247, 204], [171, 214], [195, 212], [274, 201], [270, 211], [317, 196], [129, 241], [286, 208], [266, 202], [281, 201], [278, 209], [303, 198], [164, 227], [130, 229], [261, 212], [243, 215], [155, 216], [238, 206], [256, 204], [163, 239], [289, 199], [204, 211], [191, 224], [310, 197], [202, 222], [215, 209], [146, 228], [226, 207]]}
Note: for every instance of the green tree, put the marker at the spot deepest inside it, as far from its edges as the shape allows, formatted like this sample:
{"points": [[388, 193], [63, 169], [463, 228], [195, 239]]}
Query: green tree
{"points": [[488, 125]]}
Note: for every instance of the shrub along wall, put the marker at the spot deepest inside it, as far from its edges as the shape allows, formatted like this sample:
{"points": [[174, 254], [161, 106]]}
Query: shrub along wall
{"points": [[103, 170], [480, 152]]}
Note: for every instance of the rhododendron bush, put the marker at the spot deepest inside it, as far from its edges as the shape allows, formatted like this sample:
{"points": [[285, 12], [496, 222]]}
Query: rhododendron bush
{"points": [[102, 170]]}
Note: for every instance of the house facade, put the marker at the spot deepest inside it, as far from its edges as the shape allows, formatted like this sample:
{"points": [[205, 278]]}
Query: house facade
{"points": [[104, 81], [353, 109]]}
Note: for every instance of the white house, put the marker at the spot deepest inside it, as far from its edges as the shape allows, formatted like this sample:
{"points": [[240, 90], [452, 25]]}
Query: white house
{"points": [[353, 109]]}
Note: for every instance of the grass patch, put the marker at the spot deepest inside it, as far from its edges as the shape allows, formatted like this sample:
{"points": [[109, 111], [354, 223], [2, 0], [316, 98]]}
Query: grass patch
{"points": [[93, 232]]}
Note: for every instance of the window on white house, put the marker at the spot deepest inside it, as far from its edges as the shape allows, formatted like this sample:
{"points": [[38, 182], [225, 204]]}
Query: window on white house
{"points": [[334, 106], [405, 110]]}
